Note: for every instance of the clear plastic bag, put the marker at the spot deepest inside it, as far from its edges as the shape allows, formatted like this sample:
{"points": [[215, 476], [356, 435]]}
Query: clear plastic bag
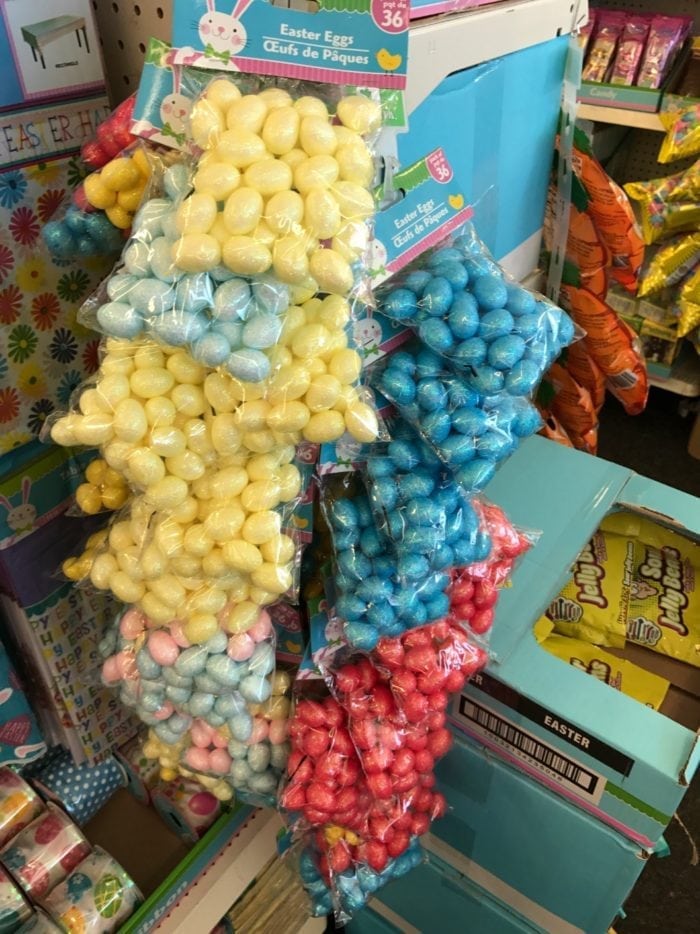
{"points": [[498, 334], [471, 432]]}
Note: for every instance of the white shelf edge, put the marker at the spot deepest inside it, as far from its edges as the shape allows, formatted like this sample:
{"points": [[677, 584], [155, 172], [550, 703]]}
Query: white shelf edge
{"points": [[619, 116], [226, 878], [440, 45]]}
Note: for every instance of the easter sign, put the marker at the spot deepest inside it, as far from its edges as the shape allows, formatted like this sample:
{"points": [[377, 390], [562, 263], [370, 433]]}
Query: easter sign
{"points": [[364, 42]]}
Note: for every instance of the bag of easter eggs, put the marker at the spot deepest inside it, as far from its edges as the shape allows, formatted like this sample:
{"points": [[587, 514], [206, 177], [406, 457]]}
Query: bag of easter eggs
{"points": [[470, 429], [497, 334]]}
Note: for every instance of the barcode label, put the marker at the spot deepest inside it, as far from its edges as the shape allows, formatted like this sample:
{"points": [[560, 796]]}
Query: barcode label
{"points": [[624, 380], [499, 731]]}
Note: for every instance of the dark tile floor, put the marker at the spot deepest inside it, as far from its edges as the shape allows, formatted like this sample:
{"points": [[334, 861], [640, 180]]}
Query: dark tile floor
{"points": [[667, 896]]}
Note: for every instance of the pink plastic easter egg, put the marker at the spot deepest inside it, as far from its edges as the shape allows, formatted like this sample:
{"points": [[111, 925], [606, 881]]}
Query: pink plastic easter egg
{"points": [[177, 631], [218, 740], [259, 731], [201, 733], [165, 711], [126, 662], [262, 627], [163, 647], [132, 624], [219, 761], [278, 732], [240, 647], [197, 759], [111, 670]]}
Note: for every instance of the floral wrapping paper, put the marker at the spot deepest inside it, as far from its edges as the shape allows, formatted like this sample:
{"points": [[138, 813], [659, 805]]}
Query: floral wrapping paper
{"points": [[44, 352]]}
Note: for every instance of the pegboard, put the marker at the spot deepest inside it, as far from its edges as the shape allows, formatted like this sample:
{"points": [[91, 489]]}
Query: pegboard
{"points": [[635, 159], [125, 28]]}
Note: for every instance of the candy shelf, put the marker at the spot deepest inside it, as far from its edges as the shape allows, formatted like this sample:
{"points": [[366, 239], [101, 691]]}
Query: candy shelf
{"points": [[619, 116], [446, 44]]}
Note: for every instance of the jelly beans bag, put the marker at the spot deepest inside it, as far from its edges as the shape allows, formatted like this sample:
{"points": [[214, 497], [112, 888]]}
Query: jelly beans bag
{"points": [[666, 206], [497, 334], [671, 264], [682, 138], [470, 430]]}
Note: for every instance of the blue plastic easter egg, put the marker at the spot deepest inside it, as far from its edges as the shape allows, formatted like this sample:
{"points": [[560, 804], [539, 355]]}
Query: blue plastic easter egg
{"points": [[149, 217], [478, 267], [249, 365], [438, 606], [520, 301], [527, 326], [436, 426], [194, 293], [177, 680], [417, 280], [437, 297], [369, 879], [168, 223], [119, 320], [496, 323], [446, 254], [400, 305], [523, 378], [405, 454], [403, 361], [382, 616], [120, 285], [344, 514], [192, 661], [486, 380], [476, 475], [231, 330], [504, 352], [361, 636], [449, 498], [463, 318], [397, 385], [541, 354], [241, 726], [259, 757], [74, 219], [527, 419], [166, 735], [406, 602], [151, 702], [423, 511], [233, 300], [370, 543], [354, 564], [412, 567], [431, 394], [221, 273], [383, 566], [207, 684], [178, 328], [347, 539], [178, 723], [436, 334], [201, 704], [137, 259], [224, 670], [99, 227], [567, 331], [177, 181], [471, 352], [262, 331], [453, 271], [470, 421], [59, 240], [152, 297], [385, 493], [241, 774], [442, 557], [378, 467], [490, 292], [418, 540], [428, 363], [271, 295], [461, 394], [350, 607], [147, 666], [162, 265], [262, 661], [212, 349], [494, 445], [420, 483]]}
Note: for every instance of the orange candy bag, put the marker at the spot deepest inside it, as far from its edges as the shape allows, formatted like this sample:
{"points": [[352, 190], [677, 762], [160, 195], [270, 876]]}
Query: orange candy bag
{"points": [[611, 344], [572, 406], [586, 372]]}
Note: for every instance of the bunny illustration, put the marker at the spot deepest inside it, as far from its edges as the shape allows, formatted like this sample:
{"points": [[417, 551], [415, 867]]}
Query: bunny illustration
{"points": [[174, 111], [223, 35], [377, 259], [367, 334], [20, 518]]}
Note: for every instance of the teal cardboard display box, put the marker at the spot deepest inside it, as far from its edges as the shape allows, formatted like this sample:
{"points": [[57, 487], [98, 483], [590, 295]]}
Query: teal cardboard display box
{"points": [[621, 761], [496, 123]]}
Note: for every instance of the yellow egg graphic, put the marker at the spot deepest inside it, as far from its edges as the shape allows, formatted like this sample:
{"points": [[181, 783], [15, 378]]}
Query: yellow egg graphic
{"points": [[387, 61], [456, 201], [73, 921]]}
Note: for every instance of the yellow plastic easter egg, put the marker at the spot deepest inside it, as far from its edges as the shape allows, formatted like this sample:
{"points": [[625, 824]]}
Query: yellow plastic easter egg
{"points": [[259, 442], [322, 393], [167, 493], [289, 479], [224, 523], [140, 159], [243, 210], [242, 555], [200, 627], [167, 441], [207, 600], [207, 123], [187, 465], [242, 617], [275, 578], [196, 214], [355, 164], [247, 113], [153, 562], [93, 430], [281, 130], [260, 495], [113, 389], [316, 136], [361, 422], [114, 497], [159, 411], [269, 177], [345, 365], [352, 240], [355, 202], [197, 541], [225, 435], [277, 708], [347, 137], [189, 399], [334, 312], [218, 390], [289, 259], [95, 471], [92, 403], [245, 256], [288, 416], [103, 569], [317, 366], [169, 537], [120, 174], [130, 199], [263, 234], [222, 93], [196, 252], [97, 193], [240, 148], [218, 179], [156, 610], [359, 114], [168, 590], [145, 467], [228, 482], [125, 589], [294, 158], [309, 106], [118, 217], [252, 415], [149, 382], [311, 340], [275, 98], [213, 564], [261, 526], [280, 549], [324, 427], [316, 172], [148, 355], [185, 369]]}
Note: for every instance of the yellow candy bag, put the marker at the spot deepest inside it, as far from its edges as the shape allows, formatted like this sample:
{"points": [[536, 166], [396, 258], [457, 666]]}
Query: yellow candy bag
{"points": [[663, 611], [689, 304], [682, 133], [593, 605], [667, 205], [620, 674], [671, 264]]}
